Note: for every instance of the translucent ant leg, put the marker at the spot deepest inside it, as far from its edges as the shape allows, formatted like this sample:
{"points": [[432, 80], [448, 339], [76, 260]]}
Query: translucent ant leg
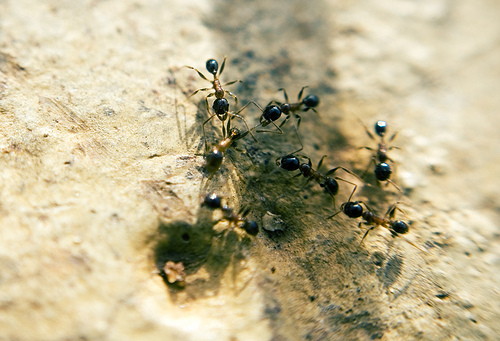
{"points": [[333, 170], [389, 181], [391, 211], [199, 73], [222, 66], [204, 134], [366, 233], [299, 97], [269, 131], [286, 95], [374, 161], [236, 114], [196, 91], [366, 129]]}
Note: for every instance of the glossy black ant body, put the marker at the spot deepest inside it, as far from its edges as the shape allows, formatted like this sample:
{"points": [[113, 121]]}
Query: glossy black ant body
{"points": [[310, 102], [219, 93], [221, 110], [354, 209], [213, 201], [382, 170], [329, 184]]}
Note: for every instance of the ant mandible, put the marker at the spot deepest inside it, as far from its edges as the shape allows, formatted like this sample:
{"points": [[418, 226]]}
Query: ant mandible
{"points": [[331, 186], [213, 201], [382, 170], [212, 67], [221, 110]]}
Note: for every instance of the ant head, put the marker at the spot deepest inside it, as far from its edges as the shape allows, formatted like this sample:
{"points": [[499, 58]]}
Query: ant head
{"points": [[212, 200], [251, 228], [400, 227], [383, 171], [220, 106], [352, 209], [331, 186], [289, 163], [214, 160], [380, 128], [271, 113], [311, 101], [212, 66]]}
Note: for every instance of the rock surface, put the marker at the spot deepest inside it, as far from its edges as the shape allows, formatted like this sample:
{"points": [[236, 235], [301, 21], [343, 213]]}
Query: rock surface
{"points": [[102, 171]]}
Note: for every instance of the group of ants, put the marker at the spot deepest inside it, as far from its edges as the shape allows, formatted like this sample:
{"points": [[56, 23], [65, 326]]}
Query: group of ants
{"points": [[215, 155]]}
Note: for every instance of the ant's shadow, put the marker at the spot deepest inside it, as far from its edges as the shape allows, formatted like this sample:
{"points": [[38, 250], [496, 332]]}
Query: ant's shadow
{"points": [[205, 254]]}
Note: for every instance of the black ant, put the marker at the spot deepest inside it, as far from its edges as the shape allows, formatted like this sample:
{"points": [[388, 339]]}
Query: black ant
{"points": [[310, 102], [213, 201], [354, 209], [221, 110], [212, 67], [383, 170], [331, 186]]}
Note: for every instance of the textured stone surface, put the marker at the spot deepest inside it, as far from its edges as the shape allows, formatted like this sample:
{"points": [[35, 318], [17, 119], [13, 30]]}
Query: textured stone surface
{"points": [[101, 171]]}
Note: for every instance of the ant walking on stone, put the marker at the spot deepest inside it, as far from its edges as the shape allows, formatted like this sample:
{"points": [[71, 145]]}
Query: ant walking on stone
{"points": [[354, 209], [382, 170], [213, 201], [329, 184]]}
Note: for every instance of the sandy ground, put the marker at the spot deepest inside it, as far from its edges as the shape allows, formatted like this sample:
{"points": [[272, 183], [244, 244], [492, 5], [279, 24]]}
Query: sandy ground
{"points": [[102, 171]]}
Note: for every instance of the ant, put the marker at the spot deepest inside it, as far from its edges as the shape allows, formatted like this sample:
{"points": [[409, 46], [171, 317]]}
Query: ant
{"points": [[383, 170], [212, 67], [331, 186], [221, 110], [354, 209], [213, 201], [310, 102], [215, 156]]}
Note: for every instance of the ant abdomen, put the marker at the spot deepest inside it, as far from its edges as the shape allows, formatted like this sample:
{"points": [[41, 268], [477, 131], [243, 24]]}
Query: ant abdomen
{"points": [[311, 101], [383, 171]]}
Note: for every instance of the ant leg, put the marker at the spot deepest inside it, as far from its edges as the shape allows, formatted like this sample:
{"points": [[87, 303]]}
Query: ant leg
{"points": [[308, 180], [389, 181], [349, 182], [204, 134], [366, 129], [222, 66], [352, 193], [284, 121], [391, 211], [298, 121], [286, 95], [301, 92], [366, 233], [333, 170], [269, 131], [298, 136], [320, 163], [224, 130], [199, 73], [333, 215], [196, 91], [367, 168], [393, 137], [236, 114], [232, 82]]}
